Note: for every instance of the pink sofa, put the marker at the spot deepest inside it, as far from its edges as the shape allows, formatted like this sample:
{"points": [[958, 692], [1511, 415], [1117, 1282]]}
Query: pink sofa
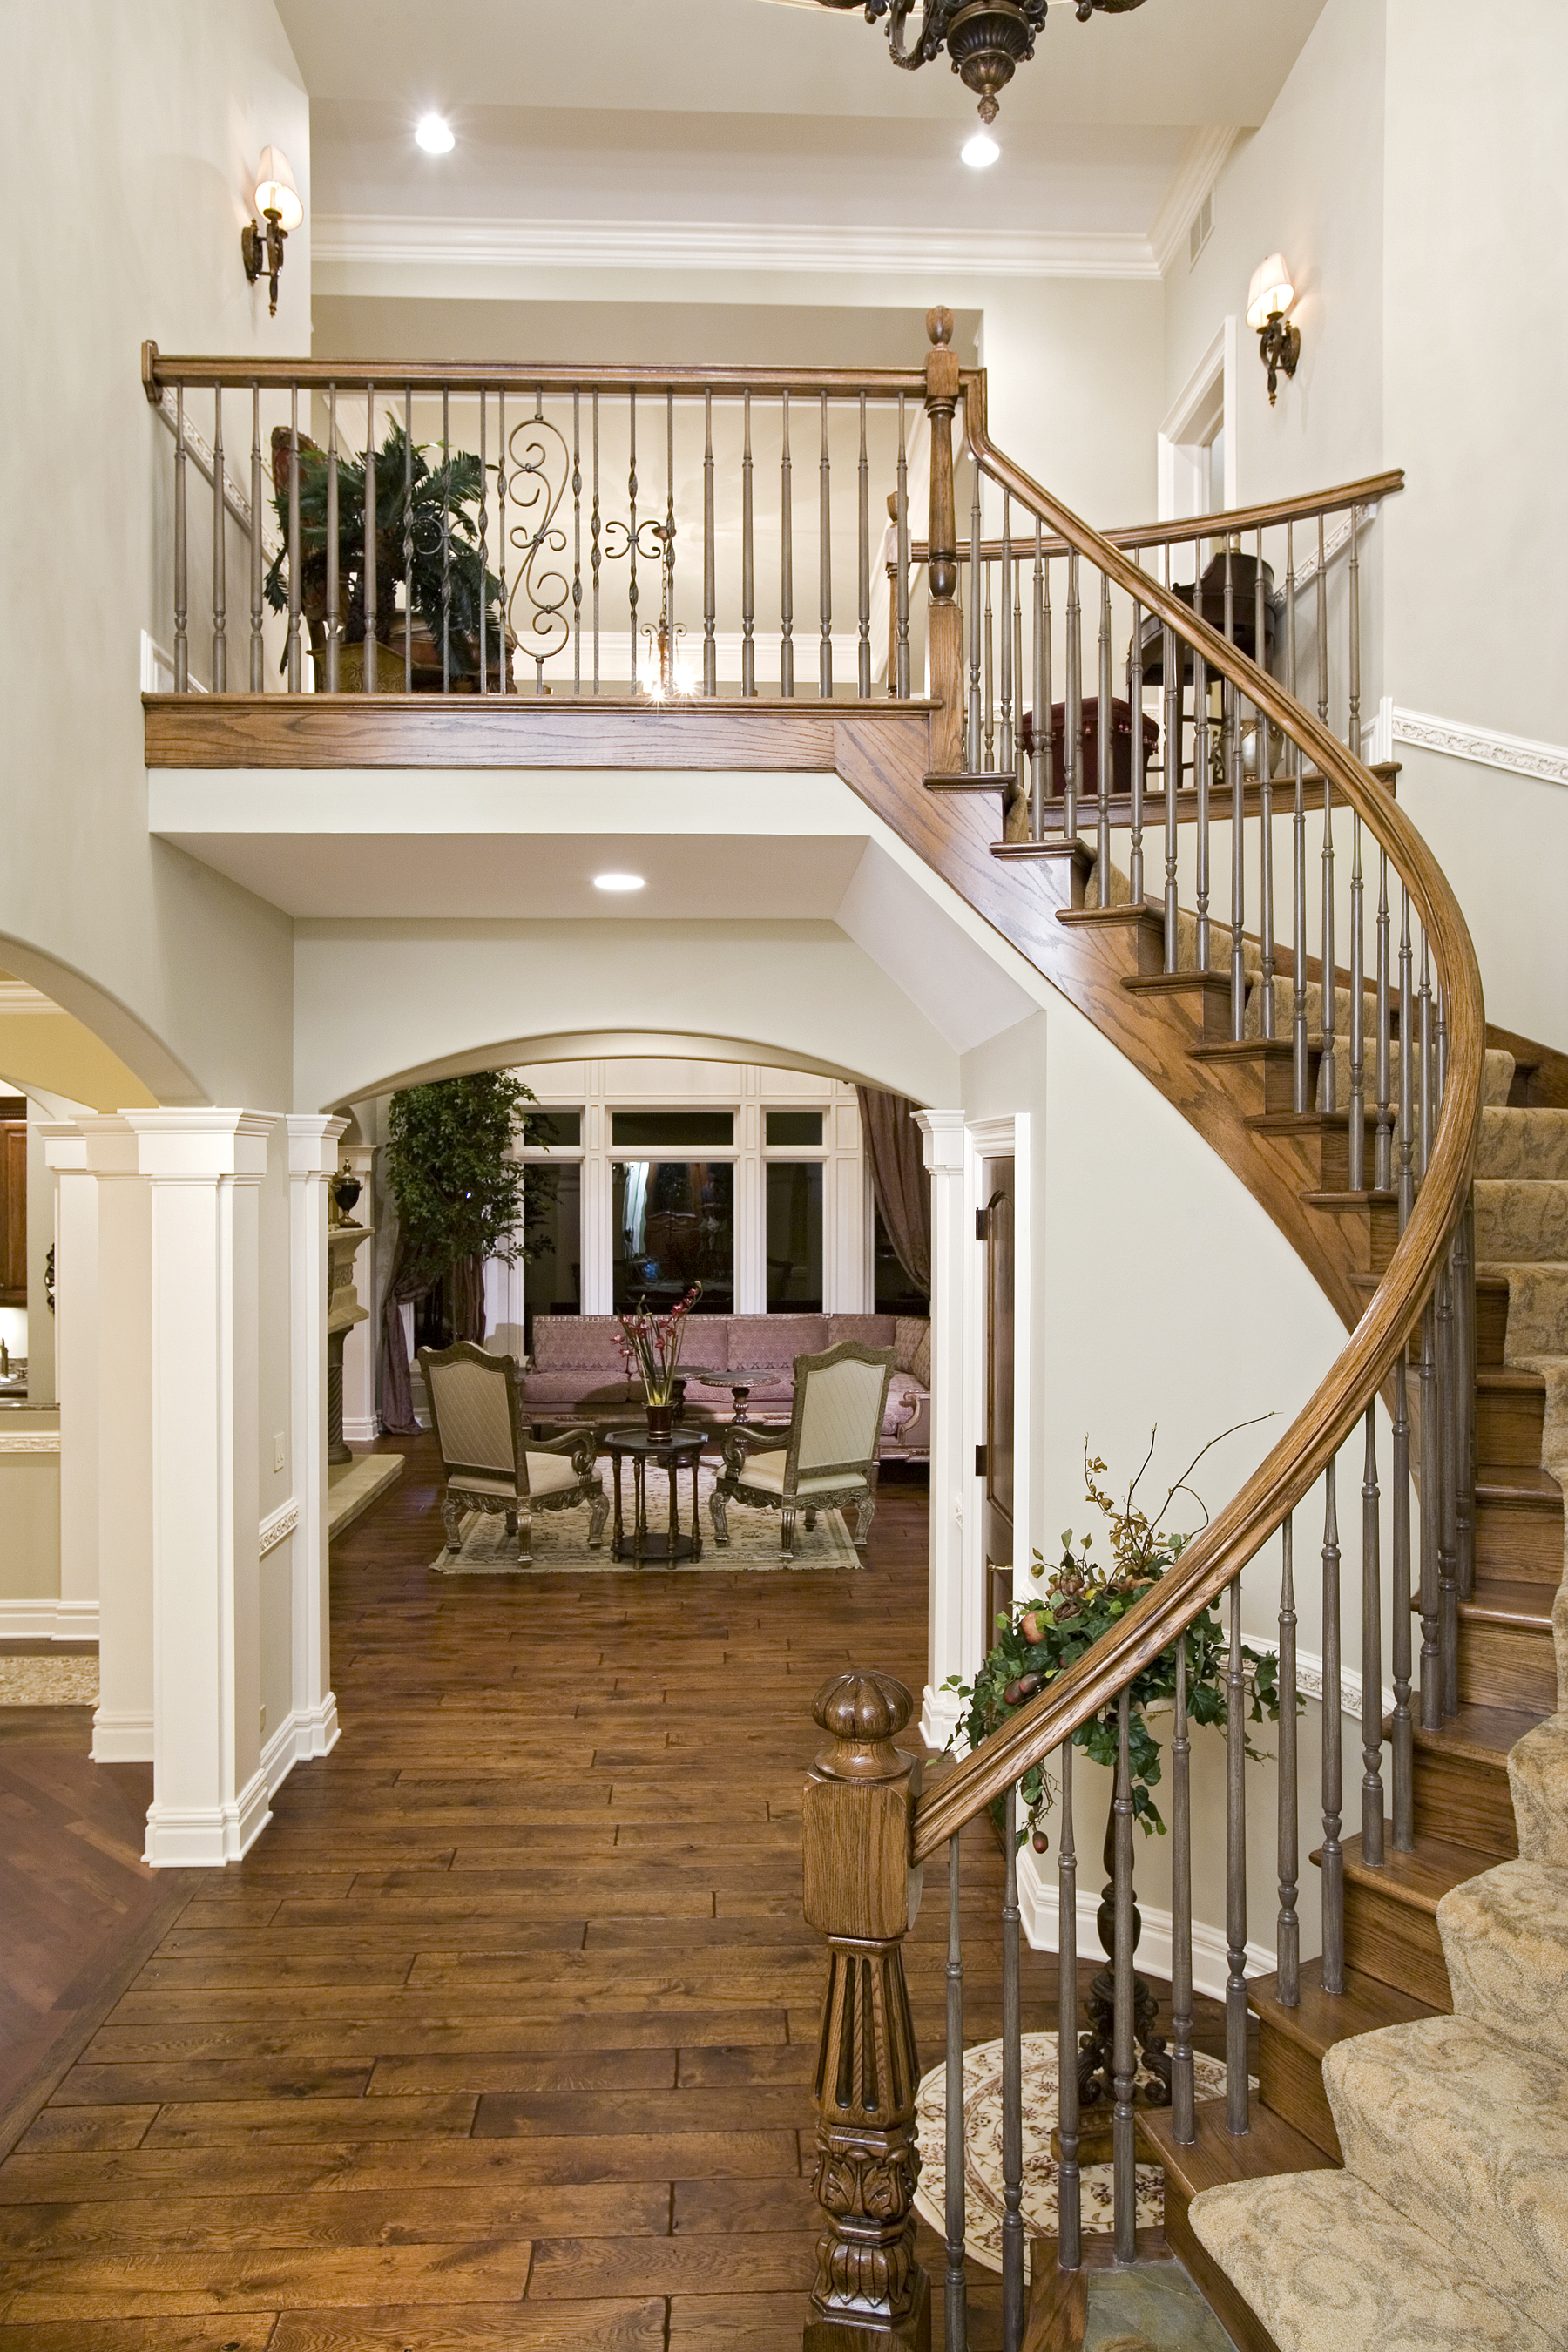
{"points": [[576, 1371]]}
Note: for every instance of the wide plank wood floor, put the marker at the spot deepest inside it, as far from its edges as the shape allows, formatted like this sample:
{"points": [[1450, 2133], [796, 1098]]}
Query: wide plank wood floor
{"points": [[503, 2032]]}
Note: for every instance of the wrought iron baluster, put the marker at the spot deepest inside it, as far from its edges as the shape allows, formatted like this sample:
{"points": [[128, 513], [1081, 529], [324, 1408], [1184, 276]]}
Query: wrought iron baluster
{"points": [[1172, 656], [258, 668], [956, 2283], [1006, 758], [1135, 719], [1353, 681], [1371, 1652], [1447, 1493], [1232, 753], [902, 604], [1070, 2187], [972, 750], [989, 755], [408, 538], [1298, 1059], [1124, 2061], [1290, 1928], [1011, 2092], [1104, 743], [1383, 1146], [1358, 1013], [220, 553], [825, 565], [863, 649], [1235, 2091], [1403, 1741], [334, 586], [1018, 784], [576, 539], [1044, 740], [748, 549], [596, 556], [447, 535], [632, 535], [1334, 1888], [484, 613], [1040, 722], [1406, 1066], [1262, 737], [1465, 1329], [710, 567], [1431, 1512], [1329, 992], [182, 593], [786, 563], [505, 682], [371, 665], [1424, 1103], [1183, 2121], [668, 629], [295, 680], [1072, 744], [1202, 777]]}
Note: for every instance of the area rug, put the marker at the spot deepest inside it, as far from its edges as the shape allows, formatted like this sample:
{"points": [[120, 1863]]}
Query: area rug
{"points": [[560, 1543], [983, 2205], [49, 1682]]}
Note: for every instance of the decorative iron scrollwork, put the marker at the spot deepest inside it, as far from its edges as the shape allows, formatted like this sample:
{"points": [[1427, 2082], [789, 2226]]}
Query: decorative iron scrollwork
{"points": [[537, 468]]}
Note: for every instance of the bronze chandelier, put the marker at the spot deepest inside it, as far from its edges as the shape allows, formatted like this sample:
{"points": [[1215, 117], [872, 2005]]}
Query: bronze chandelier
{"points": [[987, 40]]}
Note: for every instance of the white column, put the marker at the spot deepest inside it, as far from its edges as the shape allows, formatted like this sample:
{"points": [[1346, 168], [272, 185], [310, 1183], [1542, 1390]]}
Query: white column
{"points": [[952, 1636], [750, 1207], [205, 1167], [312, 1164], [362, 1346], [598, 1278], [844, 1209], [123, 1726], [76, 1366]]}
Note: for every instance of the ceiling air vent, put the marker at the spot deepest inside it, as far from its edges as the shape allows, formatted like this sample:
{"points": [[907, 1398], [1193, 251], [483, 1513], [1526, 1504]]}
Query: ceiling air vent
{"points": [[1202, 228]]}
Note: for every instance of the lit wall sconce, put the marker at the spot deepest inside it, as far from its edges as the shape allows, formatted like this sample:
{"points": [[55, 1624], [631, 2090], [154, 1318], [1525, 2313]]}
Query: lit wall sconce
{"points": [[278, 201], [1279, 342]]}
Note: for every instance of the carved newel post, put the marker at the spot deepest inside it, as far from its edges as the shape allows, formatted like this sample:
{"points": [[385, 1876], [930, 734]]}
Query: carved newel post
{"points": [[946, 619], [870, 2294]]}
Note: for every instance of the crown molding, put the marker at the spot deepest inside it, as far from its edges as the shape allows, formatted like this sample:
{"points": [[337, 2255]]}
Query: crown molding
{"points": [[872, 250], [1202, 159]]}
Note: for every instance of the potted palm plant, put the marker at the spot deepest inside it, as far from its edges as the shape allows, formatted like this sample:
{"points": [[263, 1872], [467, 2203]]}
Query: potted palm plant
{"points": [[426, 542]]}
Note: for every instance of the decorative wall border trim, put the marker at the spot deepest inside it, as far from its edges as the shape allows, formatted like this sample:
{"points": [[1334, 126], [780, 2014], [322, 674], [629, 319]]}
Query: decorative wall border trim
{"points": [[283, 1522], [817, 249], [49, 1620], [38, 1440], [1487, 747]]}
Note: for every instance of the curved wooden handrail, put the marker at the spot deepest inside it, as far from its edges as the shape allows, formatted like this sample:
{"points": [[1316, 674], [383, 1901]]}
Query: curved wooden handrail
{"points": [[1293, 1467], [1228, 522]]}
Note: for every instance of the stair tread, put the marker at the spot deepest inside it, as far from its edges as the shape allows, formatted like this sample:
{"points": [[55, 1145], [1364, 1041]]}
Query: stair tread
{"points": [[1174, 983], [1483, 1733], [1322, 2019], [1271, 2145], [1243, 1049], [1498, 1600], [1509, 1379], [1507, 1482], [1126, 917], [1340, 1201], [1306, 1122], [1420, 1878]]}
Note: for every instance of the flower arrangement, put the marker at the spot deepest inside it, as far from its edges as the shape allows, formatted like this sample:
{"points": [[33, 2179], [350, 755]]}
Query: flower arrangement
{"points": [[651, 1344], [1083, 1598]]}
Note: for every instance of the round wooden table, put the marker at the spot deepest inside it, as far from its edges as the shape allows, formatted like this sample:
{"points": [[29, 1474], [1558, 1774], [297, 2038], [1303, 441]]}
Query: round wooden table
{"points": [[740, 1381], [681, 1450]]}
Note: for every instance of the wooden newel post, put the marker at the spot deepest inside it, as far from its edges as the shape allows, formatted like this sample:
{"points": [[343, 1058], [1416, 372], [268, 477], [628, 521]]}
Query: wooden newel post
{"points": [[946, 617], [870, 2294]]}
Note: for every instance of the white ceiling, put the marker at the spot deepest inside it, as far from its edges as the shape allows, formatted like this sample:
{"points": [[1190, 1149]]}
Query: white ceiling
{"points": [[746, 110]]}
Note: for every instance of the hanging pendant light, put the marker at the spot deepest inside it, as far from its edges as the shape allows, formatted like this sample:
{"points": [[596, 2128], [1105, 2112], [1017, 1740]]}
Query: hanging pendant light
{"points": [[987, 40]]}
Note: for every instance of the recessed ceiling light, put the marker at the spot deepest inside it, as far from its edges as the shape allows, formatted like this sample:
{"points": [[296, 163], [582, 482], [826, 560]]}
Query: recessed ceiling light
{"points": [[980, 151], [618, 882], [434, 133]]}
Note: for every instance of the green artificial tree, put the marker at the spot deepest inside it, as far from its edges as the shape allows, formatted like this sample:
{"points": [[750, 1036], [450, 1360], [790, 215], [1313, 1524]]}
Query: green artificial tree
{"points": [[461, 1194]]}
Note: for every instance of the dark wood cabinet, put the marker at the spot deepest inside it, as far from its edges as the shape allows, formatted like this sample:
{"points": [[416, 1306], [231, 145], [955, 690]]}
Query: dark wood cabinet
{"points": [[13, 1201]]}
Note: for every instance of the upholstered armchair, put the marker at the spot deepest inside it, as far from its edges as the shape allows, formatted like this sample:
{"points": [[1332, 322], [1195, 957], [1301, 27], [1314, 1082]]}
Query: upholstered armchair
{"points": [[826, 1459], [491, 1462]]}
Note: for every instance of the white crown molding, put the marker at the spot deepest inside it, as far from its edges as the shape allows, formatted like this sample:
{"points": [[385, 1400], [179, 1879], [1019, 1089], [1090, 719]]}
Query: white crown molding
{"points": [[1202, 159], [282, 1522], [879, 250], [1487, 747]]}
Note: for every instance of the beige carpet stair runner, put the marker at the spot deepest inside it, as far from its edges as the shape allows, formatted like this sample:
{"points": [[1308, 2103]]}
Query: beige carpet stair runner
{"points": [[1448, 2228]]}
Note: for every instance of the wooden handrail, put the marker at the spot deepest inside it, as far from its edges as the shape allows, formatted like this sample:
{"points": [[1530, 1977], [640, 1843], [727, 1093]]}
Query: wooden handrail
{"points": [[160, 371], [1233, 520], [1286, 1475]]}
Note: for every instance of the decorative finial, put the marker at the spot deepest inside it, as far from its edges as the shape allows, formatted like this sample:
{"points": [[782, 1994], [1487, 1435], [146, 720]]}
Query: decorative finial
{"points": [[939, 326], [863, 1713]]}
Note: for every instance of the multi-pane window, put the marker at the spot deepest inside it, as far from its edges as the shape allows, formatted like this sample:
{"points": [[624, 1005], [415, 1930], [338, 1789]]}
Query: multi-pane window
{"points": [[673, 1223]]}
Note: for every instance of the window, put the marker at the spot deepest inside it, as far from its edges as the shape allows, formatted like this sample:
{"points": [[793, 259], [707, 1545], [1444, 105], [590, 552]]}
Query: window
{"points": [[678, 1130], [793, 1126], [552, 1237], [674, 1224], [896, 1294], [552, 1131], [793, 1194]]}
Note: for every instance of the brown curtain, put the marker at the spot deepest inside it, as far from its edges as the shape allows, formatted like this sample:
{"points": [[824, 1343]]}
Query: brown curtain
{"points": [[467, 1285], [899, 1179]]}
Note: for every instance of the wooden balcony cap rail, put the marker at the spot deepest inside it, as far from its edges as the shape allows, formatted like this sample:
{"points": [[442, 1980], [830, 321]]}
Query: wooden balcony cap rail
{"points": [[1233, 519], [1293, 1467], [162, 372]]}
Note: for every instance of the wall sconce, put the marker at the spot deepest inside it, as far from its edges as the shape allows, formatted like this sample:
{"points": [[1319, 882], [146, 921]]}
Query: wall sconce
{"points": [[1279, 342], [278, 201]]}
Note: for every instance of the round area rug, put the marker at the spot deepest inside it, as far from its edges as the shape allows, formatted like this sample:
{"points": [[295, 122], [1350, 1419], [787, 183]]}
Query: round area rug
{"points": [[983, 2205]]}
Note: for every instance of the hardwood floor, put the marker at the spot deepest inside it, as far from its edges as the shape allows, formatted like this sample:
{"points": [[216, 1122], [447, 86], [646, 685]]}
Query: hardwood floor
{"points": [[502, 2035]]}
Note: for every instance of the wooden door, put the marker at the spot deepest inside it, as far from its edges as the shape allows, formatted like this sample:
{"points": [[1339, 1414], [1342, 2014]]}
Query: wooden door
{"points": [[995, 1465], [13, 1212]]}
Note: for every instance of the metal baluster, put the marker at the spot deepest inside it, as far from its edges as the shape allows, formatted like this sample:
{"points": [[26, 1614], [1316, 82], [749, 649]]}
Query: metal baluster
{"points": [[632, 594], [1330, 994], [596, 556], [1382, 1145], [1424, 1099], [1431, 1476], [1464, 1329], [1371, 1653], [408, 540], [786, 562], [1358, 1015], [1201, 780], [971, 747], [1403, 1743], [220, 554], [667, 614], [1105, 744], [181, 640], [1072, 742], [1298, 1081], [258, 668], [748, 581], [484, 536], [864, 649], [1448, 1493], [370, 676], [1012, 2094], [1263, 752], [1135, 718], [1124, 2063], [990, 758], [1006, 761], [1236, 2118], [334, 591], [709, 573], [1289, 1929], [1070, 2190], [1018, 782], [1406, 1066], [957, 2287], [295, 680], [1040, 722], [1334, 1862], [1183, 2120], [1322, 624], [447, 533], [903, 598], [1171, 657], [824, 559], [1044, 736], [1237, 821], [576, 547], [1353, 727], [505, 682]]}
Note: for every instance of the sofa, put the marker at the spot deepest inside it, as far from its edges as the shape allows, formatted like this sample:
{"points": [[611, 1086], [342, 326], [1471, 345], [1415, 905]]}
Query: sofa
{"points": [[576, 1371]]}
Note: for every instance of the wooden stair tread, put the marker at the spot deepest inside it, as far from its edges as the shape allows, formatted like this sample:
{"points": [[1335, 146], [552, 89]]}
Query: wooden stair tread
{"points": [[1338, 1202], [1420, 1879], [1309, 1122], [970, 780], [1497, 1601], [1517, 1483], [1483, 1734], [1216, 2156], [1111, 917], [1241, 1049], [1175, 983], [1322, 2019], [1510, 1380], [1075, 849]]}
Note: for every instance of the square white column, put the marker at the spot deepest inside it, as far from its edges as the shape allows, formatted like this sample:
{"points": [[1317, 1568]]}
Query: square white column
{"points": [[312, 1164], [952, 1480], [123, 1726], [205, 1167], [75, 1367]]}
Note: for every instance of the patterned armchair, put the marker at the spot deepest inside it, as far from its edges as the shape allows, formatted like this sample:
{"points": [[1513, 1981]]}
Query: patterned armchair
{"points": [[491, 1462], [826, 1459]]}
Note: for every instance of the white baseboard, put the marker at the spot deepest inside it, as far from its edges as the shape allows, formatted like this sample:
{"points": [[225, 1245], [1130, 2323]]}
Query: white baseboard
{"points": [[361, 1432], [48, 1621], [122, 1738], [940, 1717], [208, 1837], [319, 1728], [307, 1733], [1040, 1913]]}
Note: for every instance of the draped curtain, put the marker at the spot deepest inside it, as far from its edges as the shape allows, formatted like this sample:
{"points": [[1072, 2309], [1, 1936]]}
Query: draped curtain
{"points": [[466, 1285], [898, 1178]]}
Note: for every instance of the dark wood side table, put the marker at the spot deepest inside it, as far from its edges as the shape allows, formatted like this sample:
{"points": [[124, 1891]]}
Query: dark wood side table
{"points": [[740, 1383], [681, 1450]]}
